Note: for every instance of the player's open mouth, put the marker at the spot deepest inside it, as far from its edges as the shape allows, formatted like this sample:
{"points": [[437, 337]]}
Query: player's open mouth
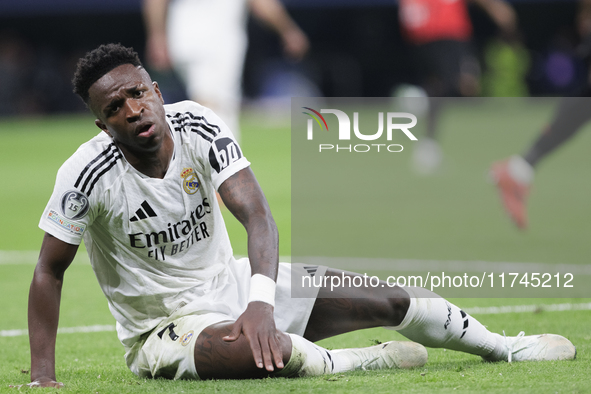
{"points": [[146, 130]]}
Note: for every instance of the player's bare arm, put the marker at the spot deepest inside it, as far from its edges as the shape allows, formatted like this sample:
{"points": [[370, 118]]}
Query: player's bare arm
{"points": [[502, 14], [44, 302], [155, 13], [274, 14], [243, 196]]}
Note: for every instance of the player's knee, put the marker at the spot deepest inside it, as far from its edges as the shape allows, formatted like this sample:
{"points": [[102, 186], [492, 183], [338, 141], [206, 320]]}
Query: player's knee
{"points": [[219, 359]]}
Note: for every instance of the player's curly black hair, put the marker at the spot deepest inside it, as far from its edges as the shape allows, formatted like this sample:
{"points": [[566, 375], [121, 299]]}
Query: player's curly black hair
{"points": [[98, 62]]}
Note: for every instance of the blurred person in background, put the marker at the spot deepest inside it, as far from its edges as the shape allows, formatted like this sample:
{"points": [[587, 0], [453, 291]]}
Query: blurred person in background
{"points": [[513, 176], [440, 33], [205, 43]]}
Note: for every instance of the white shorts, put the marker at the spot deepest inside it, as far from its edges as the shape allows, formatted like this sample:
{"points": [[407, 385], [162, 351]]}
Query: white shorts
{"points": [[168, 350]]}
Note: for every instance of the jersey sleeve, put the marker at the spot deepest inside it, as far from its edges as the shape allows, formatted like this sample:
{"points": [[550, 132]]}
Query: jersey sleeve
{"points": [[68, 212], [221, 153]]}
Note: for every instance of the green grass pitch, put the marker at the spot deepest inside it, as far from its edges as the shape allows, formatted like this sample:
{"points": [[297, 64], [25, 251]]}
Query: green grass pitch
{"points": [[460, 209]]}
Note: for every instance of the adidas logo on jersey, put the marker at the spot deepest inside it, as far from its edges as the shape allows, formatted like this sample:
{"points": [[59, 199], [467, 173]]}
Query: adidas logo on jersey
{"points": [[144, 212]]}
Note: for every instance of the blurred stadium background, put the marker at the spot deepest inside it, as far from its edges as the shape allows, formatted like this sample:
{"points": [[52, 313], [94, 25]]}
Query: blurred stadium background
{"points": [[356, 50]]}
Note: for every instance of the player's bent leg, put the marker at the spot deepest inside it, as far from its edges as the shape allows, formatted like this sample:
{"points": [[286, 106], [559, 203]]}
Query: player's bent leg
{"points": [[346, 308], [219, 359]]}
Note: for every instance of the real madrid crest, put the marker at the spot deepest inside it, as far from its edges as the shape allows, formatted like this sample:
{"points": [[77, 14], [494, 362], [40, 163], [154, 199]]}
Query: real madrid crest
{"points": [[186, 338], [191, 182]]}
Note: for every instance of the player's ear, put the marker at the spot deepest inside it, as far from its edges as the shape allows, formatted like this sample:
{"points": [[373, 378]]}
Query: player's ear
{"points": [[102, 126], [157, 89]]}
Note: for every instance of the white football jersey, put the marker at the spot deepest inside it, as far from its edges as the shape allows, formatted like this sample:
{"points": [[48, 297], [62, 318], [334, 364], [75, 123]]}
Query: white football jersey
{"points": [[153, 243]]}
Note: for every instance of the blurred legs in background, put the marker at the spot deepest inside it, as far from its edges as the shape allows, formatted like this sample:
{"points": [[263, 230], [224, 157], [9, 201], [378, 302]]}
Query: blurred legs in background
{"points": [[513, 176]]}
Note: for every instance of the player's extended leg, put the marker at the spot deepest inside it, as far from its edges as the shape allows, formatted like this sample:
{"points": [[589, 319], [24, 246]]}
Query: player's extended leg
{"points": [[423, 317], [435, 322]]}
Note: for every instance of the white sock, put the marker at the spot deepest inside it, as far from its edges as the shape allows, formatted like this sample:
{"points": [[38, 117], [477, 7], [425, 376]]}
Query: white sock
{"points": [[520, 170], [434, 322], [309, 359]]}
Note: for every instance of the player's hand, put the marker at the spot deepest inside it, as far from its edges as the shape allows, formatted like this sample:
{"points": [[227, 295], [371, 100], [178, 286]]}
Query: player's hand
{"points": [[258, 326], [295, 44]]}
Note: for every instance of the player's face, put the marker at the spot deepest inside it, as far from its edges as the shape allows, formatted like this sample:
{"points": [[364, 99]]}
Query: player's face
{"points": [[129, 107]]}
